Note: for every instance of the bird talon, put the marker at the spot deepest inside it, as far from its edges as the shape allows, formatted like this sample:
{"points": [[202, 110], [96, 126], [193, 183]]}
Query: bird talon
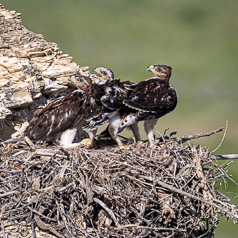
{"points": [[151, 145], [87, 142], [124, 147], [138, 143]]}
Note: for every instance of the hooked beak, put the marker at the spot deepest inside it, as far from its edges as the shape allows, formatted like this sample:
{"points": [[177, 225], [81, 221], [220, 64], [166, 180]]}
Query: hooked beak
{"points": [[95, 70], [149, 68], [73, 80]]}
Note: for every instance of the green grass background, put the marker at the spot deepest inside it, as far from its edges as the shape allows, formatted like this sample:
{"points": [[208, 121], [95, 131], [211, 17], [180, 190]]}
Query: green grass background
{"points": [[199, 39]]}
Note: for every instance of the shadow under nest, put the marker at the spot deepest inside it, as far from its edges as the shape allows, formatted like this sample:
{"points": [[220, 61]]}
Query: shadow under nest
{"points": [[170, 191]]}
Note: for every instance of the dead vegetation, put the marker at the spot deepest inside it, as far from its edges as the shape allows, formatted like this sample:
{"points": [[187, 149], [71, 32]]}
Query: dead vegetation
{"points": [[170, 191]]}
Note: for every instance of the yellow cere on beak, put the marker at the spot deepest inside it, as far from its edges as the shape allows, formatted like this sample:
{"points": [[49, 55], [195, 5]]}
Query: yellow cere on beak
{"points": [[149, 67], [73, 80], [97, 71], [152, 69]]}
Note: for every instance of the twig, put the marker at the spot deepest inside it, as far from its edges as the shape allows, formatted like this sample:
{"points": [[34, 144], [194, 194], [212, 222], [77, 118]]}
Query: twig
{"points": [[8, 193], [46, 152], [149, 228], [224, 135], [39, 214], [3, 228], [46, 164], [65, 187], [85, 233], [108, 210], [33, 229], [225, 173], [13, 140], [224, 157], [30, 143], [176, 190], [184, 139], [19, 153], [46, 227], [132, 167]]}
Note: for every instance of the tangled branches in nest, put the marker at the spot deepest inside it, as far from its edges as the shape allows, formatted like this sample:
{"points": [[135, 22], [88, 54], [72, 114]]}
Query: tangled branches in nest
{"points": [[106, 192]]}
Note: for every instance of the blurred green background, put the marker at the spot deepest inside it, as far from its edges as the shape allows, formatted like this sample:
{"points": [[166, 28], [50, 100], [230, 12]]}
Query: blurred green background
{"points": [[199, 39]]}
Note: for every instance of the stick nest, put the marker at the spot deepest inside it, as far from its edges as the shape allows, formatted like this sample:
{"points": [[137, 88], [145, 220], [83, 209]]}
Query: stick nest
{"points": [[169, 191]]}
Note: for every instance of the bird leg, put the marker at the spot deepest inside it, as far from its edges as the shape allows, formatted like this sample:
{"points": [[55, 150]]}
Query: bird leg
{"points": [[114, 129], [113, 132], [149, 126], [135, 129]]}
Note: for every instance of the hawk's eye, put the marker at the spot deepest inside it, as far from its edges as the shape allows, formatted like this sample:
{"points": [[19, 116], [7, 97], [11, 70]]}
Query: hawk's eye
{"points": [[160, 70], [81, 80]]}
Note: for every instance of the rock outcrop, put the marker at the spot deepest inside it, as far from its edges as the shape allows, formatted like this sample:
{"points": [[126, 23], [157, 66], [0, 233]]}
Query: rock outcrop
{"points": [[32, 72]]}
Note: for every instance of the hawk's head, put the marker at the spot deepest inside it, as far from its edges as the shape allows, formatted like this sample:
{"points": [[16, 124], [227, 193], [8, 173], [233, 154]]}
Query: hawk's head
{"points": [[80, 81], [160, 70], [104, 73]]}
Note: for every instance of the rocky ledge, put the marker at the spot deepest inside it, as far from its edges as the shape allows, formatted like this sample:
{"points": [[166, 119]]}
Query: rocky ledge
{"points": [[32, 71]]}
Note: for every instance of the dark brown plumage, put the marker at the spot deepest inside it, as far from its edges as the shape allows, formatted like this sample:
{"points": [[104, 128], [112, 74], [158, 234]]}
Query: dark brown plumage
{"points": [[53, 119], [65, 113], [115, 92], [150, 100], [88, 107], [123, 104]]}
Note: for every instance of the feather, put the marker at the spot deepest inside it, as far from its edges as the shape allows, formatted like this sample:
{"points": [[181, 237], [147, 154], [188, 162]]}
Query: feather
{"points": [[152, 98], [51, 120]]}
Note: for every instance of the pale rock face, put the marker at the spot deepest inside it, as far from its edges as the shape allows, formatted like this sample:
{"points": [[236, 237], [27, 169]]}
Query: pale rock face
{"points": [[55, 71], [32, 72], [4, 82], [18, 96]]}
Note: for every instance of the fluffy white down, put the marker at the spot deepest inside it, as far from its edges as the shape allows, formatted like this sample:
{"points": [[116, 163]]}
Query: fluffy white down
{"points": [[67, 138]]}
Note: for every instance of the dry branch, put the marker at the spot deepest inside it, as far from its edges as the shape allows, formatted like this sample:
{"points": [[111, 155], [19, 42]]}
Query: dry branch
{"points": [[199, 135], [225, 157]]}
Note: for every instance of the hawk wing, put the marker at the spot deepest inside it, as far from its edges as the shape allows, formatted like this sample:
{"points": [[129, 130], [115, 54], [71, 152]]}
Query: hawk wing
{"points": [[103, 102], [115, 93], [152, 98], [56, 117]]}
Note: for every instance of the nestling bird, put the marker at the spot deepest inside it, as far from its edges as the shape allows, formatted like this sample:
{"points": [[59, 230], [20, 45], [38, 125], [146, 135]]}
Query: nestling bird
{"points": [[123, 104], [149, 100], [115, 93], [93, 104], [62, 117]]}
